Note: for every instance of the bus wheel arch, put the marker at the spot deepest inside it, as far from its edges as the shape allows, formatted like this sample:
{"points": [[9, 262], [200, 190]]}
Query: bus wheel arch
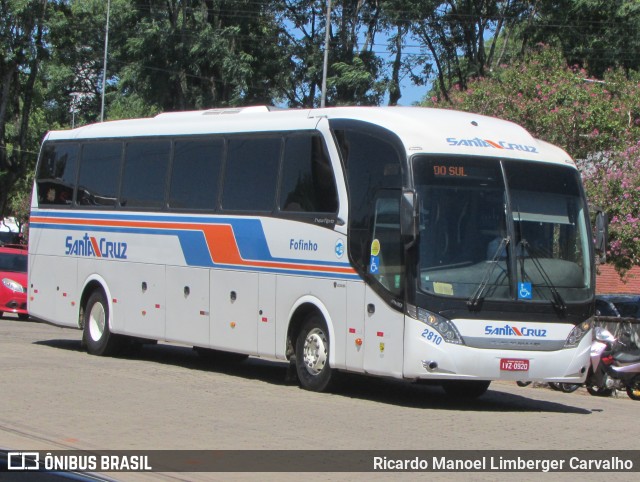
{"points": [[310, 340], [95, 322]]}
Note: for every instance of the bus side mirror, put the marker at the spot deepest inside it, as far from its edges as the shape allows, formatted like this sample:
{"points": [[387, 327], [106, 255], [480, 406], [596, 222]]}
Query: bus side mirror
{"points": [[601, 235], [409, 217]]}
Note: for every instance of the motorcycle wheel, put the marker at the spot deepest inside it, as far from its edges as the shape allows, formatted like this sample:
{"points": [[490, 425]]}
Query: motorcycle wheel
{"points": [[633, 389], [597, 391], [570, 387]]}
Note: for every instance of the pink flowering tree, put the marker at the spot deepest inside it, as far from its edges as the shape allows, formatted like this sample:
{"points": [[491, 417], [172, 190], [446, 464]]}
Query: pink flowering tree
{"points": [[597, 121], [615, 183]]}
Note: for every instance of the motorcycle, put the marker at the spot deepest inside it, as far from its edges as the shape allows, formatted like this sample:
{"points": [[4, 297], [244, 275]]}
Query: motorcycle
{"points": [[615, 365]]}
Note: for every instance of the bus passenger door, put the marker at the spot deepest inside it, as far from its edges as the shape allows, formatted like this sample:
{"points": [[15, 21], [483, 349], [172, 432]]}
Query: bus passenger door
{"points": [[384, 294], [234, 308]]}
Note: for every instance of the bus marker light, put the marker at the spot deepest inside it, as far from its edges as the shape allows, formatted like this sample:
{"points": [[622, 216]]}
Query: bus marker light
{"points": [[380, 333], [158, 306], [358, 341], [232, 324], [144, 313], [265, 319], [352, 330]]}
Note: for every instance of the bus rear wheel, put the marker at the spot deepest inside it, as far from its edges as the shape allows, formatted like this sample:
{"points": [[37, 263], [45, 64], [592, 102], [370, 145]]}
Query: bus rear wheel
{"points": [[312, 355], [96, 334]]}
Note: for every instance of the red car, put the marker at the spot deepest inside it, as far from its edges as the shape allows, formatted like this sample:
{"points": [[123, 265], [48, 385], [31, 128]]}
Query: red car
{"points": [[13, 281]]}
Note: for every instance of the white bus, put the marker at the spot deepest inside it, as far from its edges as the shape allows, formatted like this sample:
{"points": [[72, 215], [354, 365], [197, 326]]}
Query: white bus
{"points": [[405, 242]]}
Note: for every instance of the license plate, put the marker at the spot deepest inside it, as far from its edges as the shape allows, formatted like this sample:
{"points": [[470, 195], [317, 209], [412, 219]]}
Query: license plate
{"points": [[510, 365]]}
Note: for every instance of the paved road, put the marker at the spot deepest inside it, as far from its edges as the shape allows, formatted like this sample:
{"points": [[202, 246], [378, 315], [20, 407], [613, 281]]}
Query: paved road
{"points": [[54, 396]]}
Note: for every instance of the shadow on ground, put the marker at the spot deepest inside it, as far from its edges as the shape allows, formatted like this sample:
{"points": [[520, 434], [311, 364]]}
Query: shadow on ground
{"points": [[381, 390]]}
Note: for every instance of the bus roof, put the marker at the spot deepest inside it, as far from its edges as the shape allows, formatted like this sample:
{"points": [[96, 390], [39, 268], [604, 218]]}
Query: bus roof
{"points": [[420, 129]]}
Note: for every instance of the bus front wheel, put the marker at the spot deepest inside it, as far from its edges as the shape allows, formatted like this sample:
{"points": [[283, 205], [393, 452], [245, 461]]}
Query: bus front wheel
{"points": [[312, 355], [96, 334]]}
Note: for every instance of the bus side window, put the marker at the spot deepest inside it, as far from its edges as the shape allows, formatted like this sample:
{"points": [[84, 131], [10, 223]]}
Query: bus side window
{"points": [[308, 184], [145, 173], [195, 174], [99, 173], [56, 177], [251, 173]]}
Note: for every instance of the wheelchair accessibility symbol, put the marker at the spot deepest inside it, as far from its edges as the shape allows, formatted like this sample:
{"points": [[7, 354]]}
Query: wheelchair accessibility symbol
{"points": [[524, 291], [374, 265]]}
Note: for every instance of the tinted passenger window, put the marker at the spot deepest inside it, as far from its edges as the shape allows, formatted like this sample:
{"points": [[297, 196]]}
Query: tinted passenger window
{"points": [[145, 173], [251, 174], [308, 184], [195, 174], [57, 174], [99, 173]]}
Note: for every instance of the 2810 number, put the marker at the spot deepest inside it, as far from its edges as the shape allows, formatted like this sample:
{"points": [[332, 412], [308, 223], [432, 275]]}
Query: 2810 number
{"points": [[431, 336]]}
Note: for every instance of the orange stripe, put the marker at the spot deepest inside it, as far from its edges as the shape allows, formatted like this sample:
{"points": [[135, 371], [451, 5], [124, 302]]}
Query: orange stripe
{"points": [[96, 250], [494, 144]]}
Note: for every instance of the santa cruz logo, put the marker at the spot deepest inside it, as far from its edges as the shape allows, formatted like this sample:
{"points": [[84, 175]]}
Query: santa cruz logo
{"points": [[508, 330], [98, 248], [477, 142]]}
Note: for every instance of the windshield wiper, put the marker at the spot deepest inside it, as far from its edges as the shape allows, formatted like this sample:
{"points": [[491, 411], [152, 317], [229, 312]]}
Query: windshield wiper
{"points": [[475, 302], [558, 302]]}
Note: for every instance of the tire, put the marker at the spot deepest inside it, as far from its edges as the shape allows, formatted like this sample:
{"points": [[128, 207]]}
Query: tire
{"points": [[523, 384], [597, 391], [23, 317], [555, 386], [465, 388], [312, 355], [96, 334], [633, 389], [570, 387]]}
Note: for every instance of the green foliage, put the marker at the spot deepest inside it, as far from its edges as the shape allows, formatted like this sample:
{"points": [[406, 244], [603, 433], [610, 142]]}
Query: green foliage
{"points": [[594, 34]]}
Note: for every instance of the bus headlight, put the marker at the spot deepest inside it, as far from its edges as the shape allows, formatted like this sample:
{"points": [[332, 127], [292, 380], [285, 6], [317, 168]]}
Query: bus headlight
{"points": [[13, 285], [578, 333], [440, 324]]}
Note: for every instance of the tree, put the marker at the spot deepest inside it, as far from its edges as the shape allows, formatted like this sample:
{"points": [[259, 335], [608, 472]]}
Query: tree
{"points": [[355, 71], [455, 32], [593, 34], [205, 53], [22, 30]]}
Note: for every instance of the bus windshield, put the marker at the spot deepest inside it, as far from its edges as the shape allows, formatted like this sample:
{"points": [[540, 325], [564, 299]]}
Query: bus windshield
{"points": [[478, 215]]}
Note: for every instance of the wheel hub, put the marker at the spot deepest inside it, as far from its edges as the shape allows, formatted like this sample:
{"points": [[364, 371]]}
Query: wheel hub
{"points": [[315, 351], [96, 322]]}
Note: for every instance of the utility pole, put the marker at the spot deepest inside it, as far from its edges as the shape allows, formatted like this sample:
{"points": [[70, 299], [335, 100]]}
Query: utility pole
{"points": [[326, 55], [104, 67]]}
